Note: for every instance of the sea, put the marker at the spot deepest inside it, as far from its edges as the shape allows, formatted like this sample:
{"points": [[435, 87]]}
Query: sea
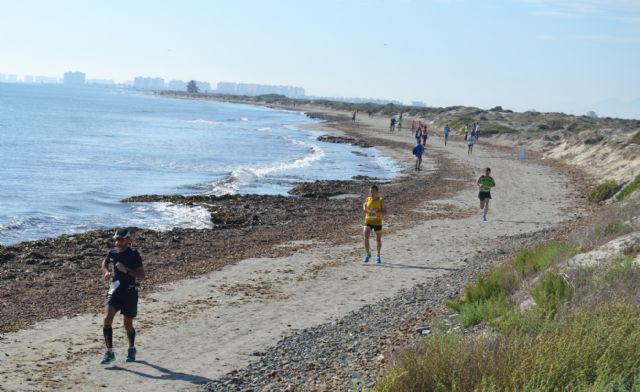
{"points": [[68, 156]]}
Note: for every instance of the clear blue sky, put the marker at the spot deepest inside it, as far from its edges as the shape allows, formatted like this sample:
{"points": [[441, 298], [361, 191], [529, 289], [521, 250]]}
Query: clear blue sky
{"points": [[565, 55]]}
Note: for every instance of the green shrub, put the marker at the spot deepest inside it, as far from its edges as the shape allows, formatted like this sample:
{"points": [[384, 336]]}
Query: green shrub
{"points": [[614, 228], [486, 298], [532, 260], [630, 187], [620, 269], [550, 292], [591, 349], [473, 313], [602, 191], [497, 128]]}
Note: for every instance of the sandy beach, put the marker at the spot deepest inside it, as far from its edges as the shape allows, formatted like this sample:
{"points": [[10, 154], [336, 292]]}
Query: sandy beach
{"points": [[216, 309]]}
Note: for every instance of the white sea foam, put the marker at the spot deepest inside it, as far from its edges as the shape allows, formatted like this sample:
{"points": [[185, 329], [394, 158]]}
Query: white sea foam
{"points": [[246, 175], [204, 122], [165, 216]]}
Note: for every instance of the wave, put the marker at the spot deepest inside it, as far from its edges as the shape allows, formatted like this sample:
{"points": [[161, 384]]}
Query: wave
{"points": [[156, 216], [166, 216], [246, 175], [204, 122]]}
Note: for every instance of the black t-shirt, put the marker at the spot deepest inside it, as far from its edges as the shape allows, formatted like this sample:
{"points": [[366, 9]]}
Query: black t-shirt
{"points": [[130, 258]]}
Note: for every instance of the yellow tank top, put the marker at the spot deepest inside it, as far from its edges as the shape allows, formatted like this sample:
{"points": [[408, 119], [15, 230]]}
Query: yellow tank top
{"points": [[374, 211]]}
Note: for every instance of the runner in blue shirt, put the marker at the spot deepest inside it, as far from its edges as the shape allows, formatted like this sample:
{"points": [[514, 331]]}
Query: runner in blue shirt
{"points": [[446, 134], [418, 150]]}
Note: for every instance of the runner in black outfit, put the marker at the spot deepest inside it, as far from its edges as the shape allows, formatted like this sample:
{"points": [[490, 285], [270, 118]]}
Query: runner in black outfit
{"points": [[121, 267]]}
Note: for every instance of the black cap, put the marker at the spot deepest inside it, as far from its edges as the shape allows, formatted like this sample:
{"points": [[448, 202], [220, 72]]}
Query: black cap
{"points": [[122, 233]]}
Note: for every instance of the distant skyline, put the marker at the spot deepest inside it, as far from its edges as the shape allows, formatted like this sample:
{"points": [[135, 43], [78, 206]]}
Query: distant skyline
{"points": [[564, 55]]}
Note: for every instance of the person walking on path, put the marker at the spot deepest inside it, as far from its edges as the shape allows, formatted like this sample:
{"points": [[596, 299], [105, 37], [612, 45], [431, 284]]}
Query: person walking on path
{"points": [[476, 131], [392, 125], [418, 150], [373, 209], [446, 133], [418, 134], [400, 123], [122, 267], [485, 182], [353, 117], [472, 140], [466, 132], [425, 134]]}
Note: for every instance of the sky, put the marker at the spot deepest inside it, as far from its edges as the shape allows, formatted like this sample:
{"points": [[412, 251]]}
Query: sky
{"points": [[562, 55]]}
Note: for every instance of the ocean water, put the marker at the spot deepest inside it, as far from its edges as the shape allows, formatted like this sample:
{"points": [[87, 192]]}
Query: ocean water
{"points": [[69, 155]]}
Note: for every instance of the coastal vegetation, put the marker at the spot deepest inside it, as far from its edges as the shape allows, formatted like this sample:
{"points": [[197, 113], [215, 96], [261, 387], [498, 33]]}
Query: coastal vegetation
{"points": [[628, 189], [539, 321], [602, 191]]}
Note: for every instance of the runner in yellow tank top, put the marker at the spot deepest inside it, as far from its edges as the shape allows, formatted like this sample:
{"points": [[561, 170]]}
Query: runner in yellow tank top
{"points": [[373, 209]]}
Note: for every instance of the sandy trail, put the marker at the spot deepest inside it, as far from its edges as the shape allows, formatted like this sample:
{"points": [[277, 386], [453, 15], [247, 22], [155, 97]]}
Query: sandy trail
{"points": [[196, 330]]}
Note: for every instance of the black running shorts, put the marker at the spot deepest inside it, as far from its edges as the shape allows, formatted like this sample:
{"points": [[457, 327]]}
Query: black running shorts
{"points": [[374, 227], [125, 301], [484, 195]]}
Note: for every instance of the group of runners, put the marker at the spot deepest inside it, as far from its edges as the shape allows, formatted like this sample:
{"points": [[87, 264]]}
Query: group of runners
{"points": [[122, 268], [373, 208]]}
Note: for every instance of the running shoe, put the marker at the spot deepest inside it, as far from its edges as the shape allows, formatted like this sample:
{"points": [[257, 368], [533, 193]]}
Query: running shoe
{"points": [[484, 218], [131, 355], [366, 259], [378, 259], [108, 357]]}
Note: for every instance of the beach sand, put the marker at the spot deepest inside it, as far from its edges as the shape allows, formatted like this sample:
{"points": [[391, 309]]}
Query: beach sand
{"points": [[195, 330]]}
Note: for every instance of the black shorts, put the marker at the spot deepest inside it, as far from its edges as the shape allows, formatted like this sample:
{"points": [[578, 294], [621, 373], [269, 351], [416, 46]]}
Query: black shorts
{"points": [[484, 195], [125, 301], [374, 227]]}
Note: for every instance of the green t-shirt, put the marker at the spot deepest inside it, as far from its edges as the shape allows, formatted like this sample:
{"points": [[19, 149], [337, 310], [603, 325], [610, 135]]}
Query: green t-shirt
{"points": [[486, 183]]}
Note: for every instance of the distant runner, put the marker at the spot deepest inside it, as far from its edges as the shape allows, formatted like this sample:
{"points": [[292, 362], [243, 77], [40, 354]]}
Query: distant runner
{"points": [[392, 125], [418, 150], [472, 140], [121, 268], [485, 182], [425, 134], [418, 134], [373, 209], [446, 134]]}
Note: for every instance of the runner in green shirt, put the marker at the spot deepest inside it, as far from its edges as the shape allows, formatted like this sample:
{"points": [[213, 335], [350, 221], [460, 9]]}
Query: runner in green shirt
{"points": [[485, 182]]}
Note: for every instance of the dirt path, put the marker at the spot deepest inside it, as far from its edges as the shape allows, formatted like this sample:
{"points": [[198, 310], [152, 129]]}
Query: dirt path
{"points": [[196, 330]]}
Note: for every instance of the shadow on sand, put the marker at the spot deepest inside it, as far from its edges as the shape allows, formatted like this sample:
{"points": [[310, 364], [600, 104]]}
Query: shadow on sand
{"points": [[421, 267], [166, 374]]}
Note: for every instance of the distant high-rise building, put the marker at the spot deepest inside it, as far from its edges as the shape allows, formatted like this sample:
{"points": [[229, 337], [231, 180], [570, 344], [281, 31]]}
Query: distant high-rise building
{"points": [[74, 78], [203, 87], [259, 89], [12, 78], [177, 85], [28, 79], [418, 104], [2, 78], [146, 83]]}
